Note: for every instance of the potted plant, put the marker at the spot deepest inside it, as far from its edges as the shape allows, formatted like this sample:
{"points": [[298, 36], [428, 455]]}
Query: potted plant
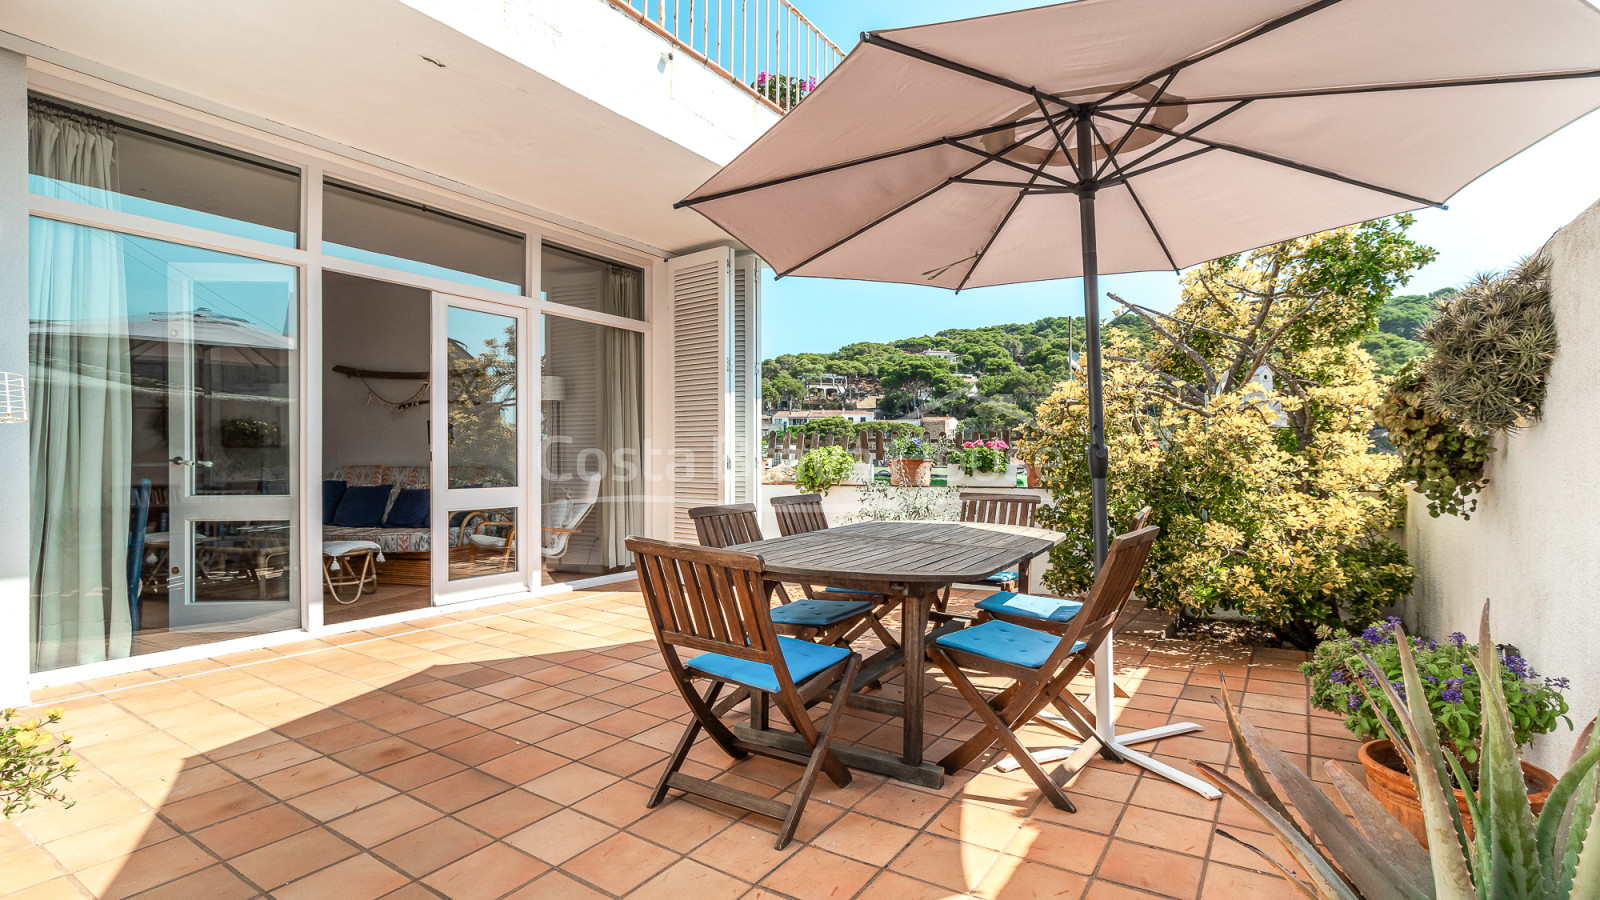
{"points": [[984, 463], [32, 760], [909, 461], [1341, 682], [823, 468]]}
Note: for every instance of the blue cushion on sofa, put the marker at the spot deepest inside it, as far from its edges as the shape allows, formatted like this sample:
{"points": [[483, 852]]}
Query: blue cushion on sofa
{"points": [[362, 506], [410, 509], [332, 493]]}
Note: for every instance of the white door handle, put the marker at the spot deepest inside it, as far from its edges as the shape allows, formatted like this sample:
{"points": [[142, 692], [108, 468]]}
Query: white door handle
{"points": [[202, 463]]}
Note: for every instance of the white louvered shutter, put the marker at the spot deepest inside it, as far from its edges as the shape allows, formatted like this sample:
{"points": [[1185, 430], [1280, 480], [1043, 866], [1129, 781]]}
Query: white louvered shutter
{"points": [[746, 352], [702, 374]]}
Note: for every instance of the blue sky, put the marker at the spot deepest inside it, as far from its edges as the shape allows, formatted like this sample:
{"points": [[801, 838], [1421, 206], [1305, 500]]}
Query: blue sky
{"points": [[1502, 216]]}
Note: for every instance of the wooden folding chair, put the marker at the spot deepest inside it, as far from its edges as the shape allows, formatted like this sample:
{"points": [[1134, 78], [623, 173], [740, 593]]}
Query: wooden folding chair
{"points": [[1040, 665], [1052, 614], [831, 620], [716, 602], [999, 509], [802, 514]]}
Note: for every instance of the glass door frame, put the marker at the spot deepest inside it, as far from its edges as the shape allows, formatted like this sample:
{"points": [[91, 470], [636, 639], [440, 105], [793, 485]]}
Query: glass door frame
{"points": [[446, 500], [187, 507]]}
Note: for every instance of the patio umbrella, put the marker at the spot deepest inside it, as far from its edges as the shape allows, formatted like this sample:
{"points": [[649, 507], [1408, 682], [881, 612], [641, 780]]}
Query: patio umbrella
{"points": [[1107, 136]]}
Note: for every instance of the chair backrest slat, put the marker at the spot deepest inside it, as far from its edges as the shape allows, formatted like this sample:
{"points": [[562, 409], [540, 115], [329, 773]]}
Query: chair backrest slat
{"points": [[706, 598], [725, 526], [1000, 509], [1112, 589], [799, 514]]}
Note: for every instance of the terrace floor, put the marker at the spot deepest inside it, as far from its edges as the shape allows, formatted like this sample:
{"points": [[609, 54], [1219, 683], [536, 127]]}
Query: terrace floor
{"points": [[506, 752]]}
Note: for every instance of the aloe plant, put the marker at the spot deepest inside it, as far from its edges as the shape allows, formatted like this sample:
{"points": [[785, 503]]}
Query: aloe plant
{"points": [[1511, 855]]}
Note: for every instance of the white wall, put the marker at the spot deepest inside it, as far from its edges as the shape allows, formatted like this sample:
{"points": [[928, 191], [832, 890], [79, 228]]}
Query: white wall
{"points": [[15, 649], [1533, 546], [372, 325]]}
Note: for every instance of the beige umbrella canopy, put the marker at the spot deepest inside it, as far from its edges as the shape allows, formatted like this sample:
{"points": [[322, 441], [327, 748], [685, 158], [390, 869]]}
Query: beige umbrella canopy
{"points": [[1107, 136]]}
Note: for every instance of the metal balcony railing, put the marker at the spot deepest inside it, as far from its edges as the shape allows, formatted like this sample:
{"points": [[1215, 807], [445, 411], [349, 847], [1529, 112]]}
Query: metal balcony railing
{"points": [[766, 47]]}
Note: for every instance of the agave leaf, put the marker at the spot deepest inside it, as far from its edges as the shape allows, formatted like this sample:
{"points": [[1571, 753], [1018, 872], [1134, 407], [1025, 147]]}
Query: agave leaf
{"points": [[1285, 871], [1579, 781], [1325, 878], [1507, 840], [1451, 878], [1251, 765], [1474, 807], [1580, 870], [1387, 835], [1367, 868]]}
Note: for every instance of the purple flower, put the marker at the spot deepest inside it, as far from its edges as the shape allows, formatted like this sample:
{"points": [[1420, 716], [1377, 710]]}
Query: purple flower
{"points": [[1466, 670], [1431, 679], [1336, 677], [1451, 695], [1353, 701], [1452, 682], [1399, 688], [1559, 684], [1518, 666], [1457, 638], [1372, 635], [1390, 624]]}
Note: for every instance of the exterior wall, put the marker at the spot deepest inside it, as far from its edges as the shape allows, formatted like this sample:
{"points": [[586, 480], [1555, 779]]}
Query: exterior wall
{"points": [[1533, 546], [15, 632]]}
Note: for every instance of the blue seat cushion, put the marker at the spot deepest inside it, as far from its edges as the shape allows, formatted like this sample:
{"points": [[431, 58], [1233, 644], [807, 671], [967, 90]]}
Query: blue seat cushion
{"points": [[362, 506], [1006, 643], [1003, 577], [803, 658], [1051, 609], [410, 509], [817, 613], [332, 493]]}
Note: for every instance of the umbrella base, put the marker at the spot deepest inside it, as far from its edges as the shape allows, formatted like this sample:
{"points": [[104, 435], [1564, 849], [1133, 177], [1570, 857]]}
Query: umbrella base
{"points": [[1119, 747]]}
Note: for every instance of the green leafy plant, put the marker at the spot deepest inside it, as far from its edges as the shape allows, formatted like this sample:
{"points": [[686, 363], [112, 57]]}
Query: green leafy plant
{"points": [[906, 446], [981, 456], [1440, 455], [1493, 344], [880, 502], [1511, 854], [32, 762], [1341, 683], [823, 468]]}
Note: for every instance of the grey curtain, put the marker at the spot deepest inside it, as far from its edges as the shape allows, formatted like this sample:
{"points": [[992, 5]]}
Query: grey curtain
{"points": [[81, 407], [622, 417]]}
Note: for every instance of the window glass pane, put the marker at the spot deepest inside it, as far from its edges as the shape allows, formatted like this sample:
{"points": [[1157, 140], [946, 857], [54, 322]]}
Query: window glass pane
{"points": [[592, 489], [481, 389], [488, 544], [367, 227], [111, 163], [162, 426], [588, 283]]}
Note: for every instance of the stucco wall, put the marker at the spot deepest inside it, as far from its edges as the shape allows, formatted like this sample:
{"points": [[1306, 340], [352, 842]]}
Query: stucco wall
{"points": [[1533, 546]]}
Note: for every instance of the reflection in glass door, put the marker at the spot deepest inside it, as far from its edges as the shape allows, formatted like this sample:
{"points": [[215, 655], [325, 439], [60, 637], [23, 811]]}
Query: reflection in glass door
{"points": [[478, 444]]}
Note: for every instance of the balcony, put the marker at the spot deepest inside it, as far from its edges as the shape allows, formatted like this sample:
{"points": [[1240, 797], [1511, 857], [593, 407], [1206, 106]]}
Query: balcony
{"points": [[766, 47]]}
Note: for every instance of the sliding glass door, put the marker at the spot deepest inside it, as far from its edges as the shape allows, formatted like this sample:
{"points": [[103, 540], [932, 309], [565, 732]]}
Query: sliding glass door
{"points": [[479, 446]]}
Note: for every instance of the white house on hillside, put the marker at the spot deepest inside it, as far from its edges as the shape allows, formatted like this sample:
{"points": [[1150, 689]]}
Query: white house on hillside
{"points": [[285, 273]]}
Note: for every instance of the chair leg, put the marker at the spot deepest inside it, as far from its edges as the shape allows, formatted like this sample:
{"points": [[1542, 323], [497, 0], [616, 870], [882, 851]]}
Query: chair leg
{"points": [[686, 743], [821, 755], [1002, 732]]}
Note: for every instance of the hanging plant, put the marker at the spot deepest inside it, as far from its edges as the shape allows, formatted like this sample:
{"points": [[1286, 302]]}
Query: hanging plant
{"points": [[1492, 345], [1443, 457]]}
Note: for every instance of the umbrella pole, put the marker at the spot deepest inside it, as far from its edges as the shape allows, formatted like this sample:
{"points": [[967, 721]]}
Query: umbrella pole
{"points": [[1112, 746]]}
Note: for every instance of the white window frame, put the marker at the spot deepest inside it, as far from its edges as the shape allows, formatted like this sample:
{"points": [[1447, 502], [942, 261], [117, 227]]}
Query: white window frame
{"points": [[315, 164]]}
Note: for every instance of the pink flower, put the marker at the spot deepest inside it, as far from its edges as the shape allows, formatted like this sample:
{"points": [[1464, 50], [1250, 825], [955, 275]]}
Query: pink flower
{"points": [[969, 445]]}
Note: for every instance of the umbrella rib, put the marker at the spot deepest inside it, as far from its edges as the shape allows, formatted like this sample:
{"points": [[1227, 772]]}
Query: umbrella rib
{"points": [[1023, 192], [1126, 175], [999, 158], [876, 157], [1138, 120], [1246, 37], [906, 205], [1368, 89], [1149, 222], [1180, 138], [1289, 163], [878, 40]]}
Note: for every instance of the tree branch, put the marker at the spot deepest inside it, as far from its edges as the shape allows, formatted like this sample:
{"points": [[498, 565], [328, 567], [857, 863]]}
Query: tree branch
{"points": [[1159, 328]]}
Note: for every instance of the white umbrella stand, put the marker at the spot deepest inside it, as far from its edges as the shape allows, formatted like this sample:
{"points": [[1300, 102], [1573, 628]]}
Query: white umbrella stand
{"points": [[1148, 135]]}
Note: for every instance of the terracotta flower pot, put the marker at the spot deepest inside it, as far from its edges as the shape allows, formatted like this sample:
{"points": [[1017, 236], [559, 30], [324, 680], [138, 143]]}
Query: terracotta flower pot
{"points": [[1388, 782], [1034, 476], [909, 472]]}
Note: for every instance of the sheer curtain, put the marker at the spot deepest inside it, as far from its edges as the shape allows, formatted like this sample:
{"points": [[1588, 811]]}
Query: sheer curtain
{"points": [[622, 417], [81, 407]]}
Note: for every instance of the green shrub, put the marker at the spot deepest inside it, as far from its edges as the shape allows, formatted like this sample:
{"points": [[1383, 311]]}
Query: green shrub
{"points": [[32, 762], [823, 468]]}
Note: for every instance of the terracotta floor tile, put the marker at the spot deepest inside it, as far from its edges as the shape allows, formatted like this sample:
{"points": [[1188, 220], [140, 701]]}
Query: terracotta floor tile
{"points": [[523, 766], [107, 842], [1055, 845], [25, 868], [489, 873], [507, 812], [378, 754], [680, 824], [1019, 879], [560, 836], [1165, 830], [432, 847], [303, 778], [813, 874], [358, 878], [619, 863], [387, 819], [556, 885], [460, 790], [144, 869], [687, 878], [895, 886], [240, 835], [54, 821], [978, 824], [949, 864], [869, 840], [1106, 890], [280, 863], [578, 743], [901, 805], [1223, 882], [215, 883], [570, 783], [743, 850], [1150, 869], [346, 796], [410, 774]]}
